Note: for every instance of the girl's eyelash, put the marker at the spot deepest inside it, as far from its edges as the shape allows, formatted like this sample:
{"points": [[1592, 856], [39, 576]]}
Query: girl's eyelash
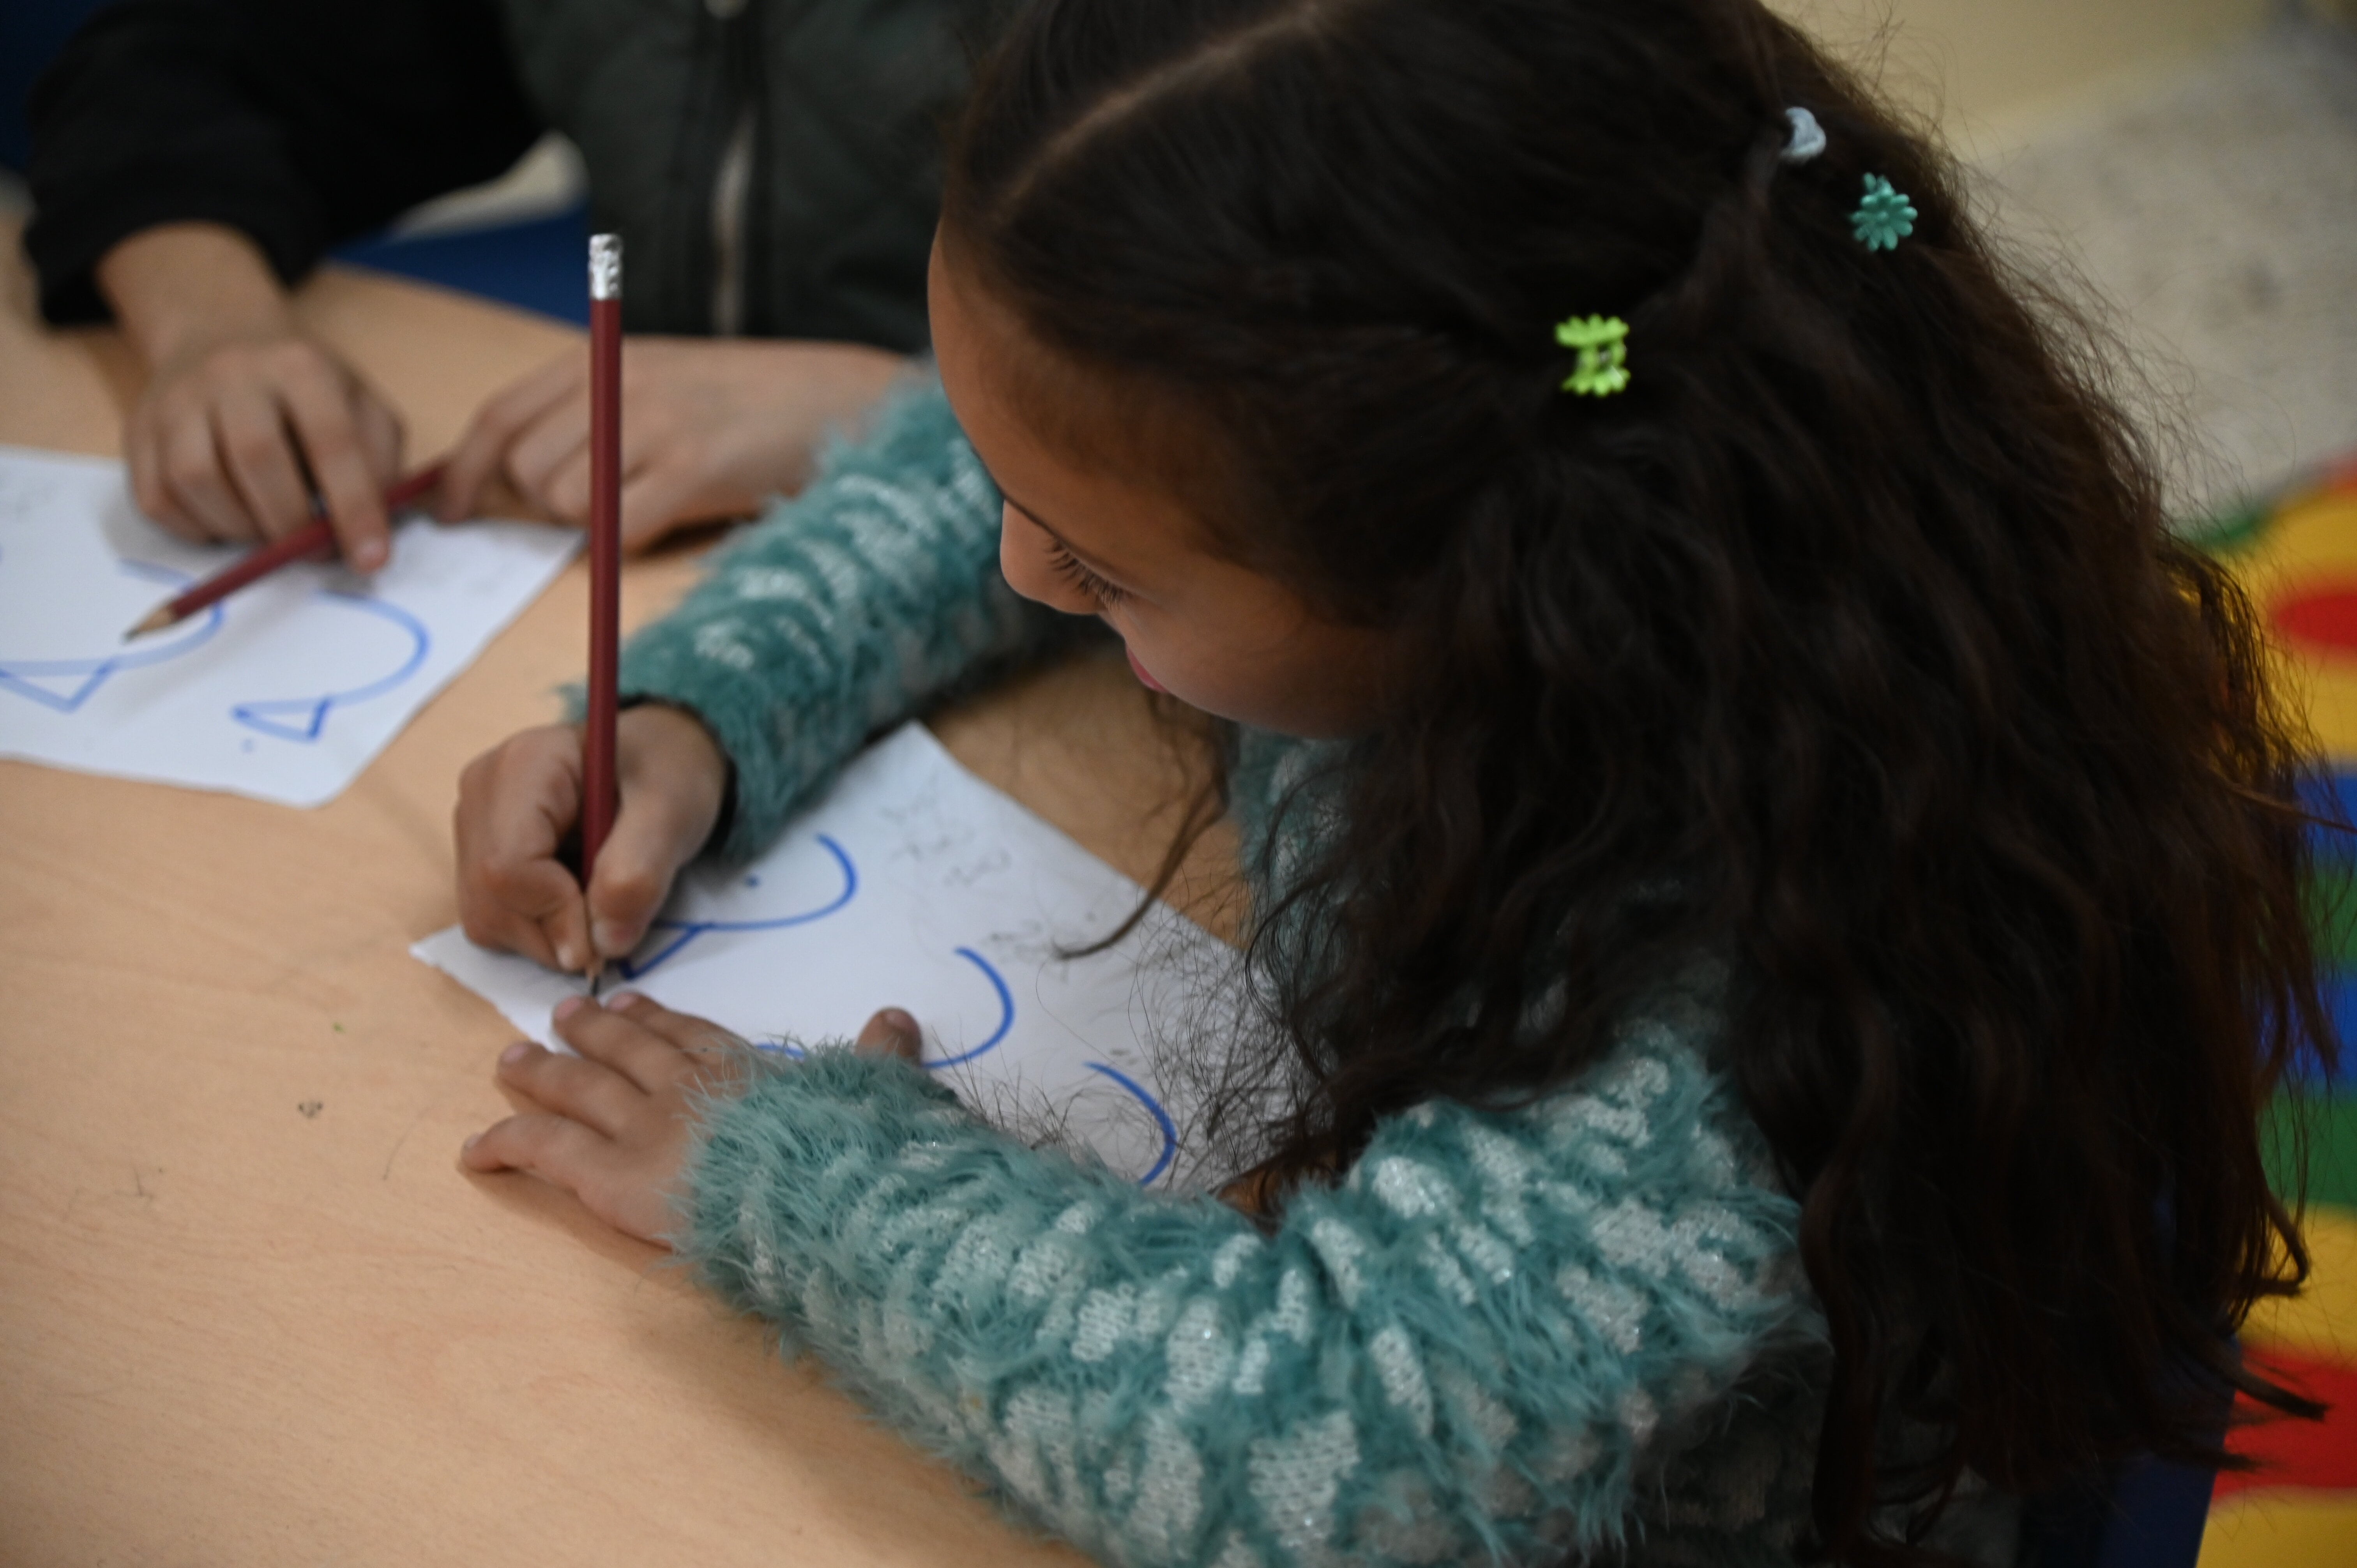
{"points": [[1080, 576]]}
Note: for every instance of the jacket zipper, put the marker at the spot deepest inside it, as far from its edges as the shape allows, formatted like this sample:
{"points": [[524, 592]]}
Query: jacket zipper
{"points": [[732, 179]]}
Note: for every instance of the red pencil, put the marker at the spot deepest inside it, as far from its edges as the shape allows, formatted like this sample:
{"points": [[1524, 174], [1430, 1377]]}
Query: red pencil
{"points": [[599, 796], [313, 538]]}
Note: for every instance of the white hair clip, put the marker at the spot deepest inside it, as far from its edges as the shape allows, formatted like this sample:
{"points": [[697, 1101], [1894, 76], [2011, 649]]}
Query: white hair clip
{"points": [[1808, 136]]}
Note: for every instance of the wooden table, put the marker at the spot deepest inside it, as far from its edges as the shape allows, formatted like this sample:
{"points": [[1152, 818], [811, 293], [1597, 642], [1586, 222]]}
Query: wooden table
{"points": [[251, 1311]]}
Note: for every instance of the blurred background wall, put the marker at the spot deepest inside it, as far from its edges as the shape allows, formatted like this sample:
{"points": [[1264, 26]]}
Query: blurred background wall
{"points": [[1977, 62]]}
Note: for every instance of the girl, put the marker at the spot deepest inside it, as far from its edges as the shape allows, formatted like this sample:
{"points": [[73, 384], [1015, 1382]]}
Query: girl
{"points": [[1775, 877]]}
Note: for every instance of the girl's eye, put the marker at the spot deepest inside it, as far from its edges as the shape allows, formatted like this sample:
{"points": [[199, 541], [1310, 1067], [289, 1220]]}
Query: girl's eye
{"points": [[1077, 574]]}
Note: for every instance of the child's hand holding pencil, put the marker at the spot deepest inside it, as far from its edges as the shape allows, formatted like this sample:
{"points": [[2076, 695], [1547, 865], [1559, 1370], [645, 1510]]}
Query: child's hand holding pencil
{"points": [[520, 805]]}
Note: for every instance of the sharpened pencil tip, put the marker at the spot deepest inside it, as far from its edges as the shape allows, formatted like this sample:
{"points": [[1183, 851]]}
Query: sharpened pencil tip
{"points": [[157, 620], [597, 980]]}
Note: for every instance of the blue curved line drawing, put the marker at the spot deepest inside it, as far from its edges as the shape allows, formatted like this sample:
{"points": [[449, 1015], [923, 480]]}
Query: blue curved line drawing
{"points": [[631, 969], [1006, 1012], [1161, 1120], [20, 675], [304, 717]]}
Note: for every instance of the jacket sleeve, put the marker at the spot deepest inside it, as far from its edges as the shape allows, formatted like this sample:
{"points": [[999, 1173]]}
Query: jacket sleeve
{"points": [[843, 611], [296, 122], [1495, 1336]]}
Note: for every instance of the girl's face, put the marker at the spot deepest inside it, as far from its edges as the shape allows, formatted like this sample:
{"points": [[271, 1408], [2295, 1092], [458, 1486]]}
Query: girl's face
{"points": [[1213, 634]]}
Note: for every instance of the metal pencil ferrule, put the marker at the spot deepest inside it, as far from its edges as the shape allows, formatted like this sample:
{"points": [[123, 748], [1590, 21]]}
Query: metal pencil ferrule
{"points": [[605, 266]]}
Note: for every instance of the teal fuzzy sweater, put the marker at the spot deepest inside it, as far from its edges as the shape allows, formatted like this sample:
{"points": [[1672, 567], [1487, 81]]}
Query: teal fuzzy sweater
{"points": [[1504, 1335]]}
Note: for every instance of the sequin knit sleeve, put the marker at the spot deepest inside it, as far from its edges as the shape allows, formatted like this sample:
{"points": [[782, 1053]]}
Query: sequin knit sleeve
{"points": [[843, 611], [1503, 1333]]}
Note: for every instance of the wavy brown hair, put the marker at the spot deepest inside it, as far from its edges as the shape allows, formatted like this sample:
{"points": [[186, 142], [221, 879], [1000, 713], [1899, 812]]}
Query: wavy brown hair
{"points": [[1848, 642]]}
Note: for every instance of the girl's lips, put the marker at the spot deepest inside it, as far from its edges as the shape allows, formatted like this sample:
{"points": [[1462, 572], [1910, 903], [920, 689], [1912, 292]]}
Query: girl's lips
{"points": [[1148, 681]]}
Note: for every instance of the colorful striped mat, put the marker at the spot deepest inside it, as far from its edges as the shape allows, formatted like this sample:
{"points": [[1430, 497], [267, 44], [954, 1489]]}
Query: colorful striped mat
{"points": [[2297, 554]]}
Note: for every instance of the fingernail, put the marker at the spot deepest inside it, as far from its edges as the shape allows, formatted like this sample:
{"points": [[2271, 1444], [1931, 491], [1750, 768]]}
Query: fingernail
{"points": [[515, 1053], [568, 957], [569, 1006], [370, 557], [900, 1023], [472, 1139], [624, 999], [612, 939]]}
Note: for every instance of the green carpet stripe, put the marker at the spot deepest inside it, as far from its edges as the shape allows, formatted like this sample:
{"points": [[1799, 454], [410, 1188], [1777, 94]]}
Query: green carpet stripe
{"points": [[2333, 911], [2331, 1123]]}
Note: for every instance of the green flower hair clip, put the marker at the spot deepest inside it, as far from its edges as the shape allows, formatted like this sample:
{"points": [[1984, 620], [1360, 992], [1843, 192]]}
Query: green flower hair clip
{"points": [[1884, 217], [1603, 345]]}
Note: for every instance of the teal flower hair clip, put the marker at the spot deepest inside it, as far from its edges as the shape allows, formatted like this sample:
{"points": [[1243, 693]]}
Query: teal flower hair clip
{"points": [[1603, 345], [1884, 217]]}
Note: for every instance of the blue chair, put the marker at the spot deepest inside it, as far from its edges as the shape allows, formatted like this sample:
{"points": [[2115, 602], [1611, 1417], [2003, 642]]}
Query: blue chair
{"points": [[2152, 1515], [539, 263]]}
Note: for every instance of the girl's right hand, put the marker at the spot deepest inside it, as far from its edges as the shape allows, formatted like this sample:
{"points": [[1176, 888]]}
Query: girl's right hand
{"points": [[518, 801]]}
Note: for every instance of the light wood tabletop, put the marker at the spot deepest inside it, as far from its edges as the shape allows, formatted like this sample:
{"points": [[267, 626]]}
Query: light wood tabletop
{"points": [[251, 1311]]}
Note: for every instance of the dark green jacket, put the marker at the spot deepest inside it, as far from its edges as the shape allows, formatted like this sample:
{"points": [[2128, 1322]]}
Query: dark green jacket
{"points": [[835, 109]]}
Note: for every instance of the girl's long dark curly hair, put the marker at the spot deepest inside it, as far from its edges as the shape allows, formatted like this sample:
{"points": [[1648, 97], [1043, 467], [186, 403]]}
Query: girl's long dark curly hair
{"points": [[1847, 642]]}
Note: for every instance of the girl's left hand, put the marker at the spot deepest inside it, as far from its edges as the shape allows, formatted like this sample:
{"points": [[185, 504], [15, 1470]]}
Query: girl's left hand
{"points": [[612, 1126]]}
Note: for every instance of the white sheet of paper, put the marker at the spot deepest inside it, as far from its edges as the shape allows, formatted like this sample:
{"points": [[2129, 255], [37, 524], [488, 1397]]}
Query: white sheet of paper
{"points": [[913, 883], [283, 691]]}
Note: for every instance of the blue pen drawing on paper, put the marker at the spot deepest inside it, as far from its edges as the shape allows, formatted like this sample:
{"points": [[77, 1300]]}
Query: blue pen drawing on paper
{"points": [[63, 685], [1162, 1121], [1006, 1012], [998, 1032], [67, 686], [676, 934], [302, 719]]}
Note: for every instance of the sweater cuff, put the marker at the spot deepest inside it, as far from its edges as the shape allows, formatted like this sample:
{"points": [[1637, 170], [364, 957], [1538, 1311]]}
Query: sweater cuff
{"points": [[739, 708], [804, 1130]]}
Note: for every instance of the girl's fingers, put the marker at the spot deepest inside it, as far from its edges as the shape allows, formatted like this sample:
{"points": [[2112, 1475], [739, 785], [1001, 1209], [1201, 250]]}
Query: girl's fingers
{"points": [[534, 910], [566, 931], [649, 842], [891, 1033], [515, 805], [704, 1042], [490, 925], [670, 779], [551, 1148], [583, 1088], [621, 1037]]}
